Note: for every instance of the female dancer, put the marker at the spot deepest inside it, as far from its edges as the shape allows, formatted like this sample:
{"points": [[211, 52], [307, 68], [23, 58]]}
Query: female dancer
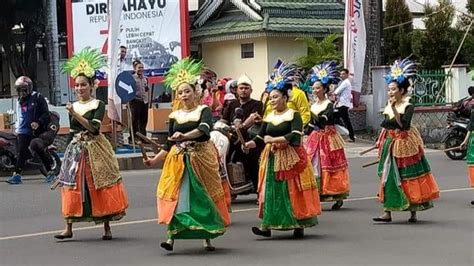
{"points": [[92, 188], [469, 142], [325, 146], [190, 195], [406, 182], [288, 195]]}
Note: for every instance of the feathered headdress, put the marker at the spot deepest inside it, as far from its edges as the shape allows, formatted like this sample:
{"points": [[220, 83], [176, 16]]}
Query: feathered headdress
{"points": [[401, 70], [282, 74], [87, 62], [184, 71], [326, 73]]}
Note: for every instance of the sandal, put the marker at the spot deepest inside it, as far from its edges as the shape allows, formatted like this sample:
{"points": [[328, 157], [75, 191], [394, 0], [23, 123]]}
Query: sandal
{"points": [[63, 236], [259, 232]]}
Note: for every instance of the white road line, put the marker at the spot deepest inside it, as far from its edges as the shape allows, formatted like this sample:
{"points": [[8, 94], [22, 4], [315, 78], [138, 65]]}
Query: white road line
{"points": [[155, 220]]}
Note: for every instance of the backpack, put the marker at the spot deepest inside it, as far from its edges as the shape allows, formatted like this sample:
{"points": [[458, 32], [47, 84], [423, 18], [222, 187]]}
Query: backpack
{"points": [[53, 124]]}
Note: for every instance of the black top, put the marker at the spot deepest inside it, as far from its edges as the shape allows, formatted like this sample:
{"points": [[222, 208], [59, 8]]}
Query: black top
{"points": [[391, 122], [182, 121]]}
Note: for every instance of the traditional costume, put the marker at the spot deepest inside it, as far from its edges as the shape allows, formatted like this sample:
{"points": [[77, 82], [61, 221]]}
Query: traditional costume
{"points": [[470, 151], [406, 182], [92, 187], [325, 147], [190, 197], [288, 195]]}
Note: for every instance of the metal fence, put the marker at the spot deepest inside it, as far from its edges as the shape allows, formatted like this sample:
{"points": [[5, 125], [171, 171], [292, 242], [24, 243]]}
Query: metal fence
{"points": [[430, 88]]}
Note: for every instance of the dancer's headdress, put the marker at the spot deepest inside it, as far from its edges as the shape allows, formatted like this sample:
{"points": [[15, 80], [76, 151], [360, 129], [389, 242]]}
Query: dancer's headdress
{"points": [[184, 71], [401, 70], [326, 73], [283, 74], [87, 62]]}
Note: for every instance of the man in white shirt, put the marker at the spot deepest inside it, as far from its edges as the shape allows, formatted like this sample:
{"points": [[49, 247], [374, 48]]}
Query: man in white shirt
{"points": [[344, 102]]}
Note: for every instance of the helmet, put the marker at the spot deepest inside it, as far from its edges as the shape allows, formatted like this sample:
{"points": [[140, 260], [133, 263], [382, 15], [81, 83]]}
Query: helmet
{"points": [[24, 86]]}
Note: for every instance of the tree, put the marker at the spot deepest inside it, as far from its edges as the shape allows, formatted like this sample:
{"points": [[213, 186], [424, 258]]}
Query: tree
{"points": [[318, 51], [51, 40], [397, 32], [432, 46], [21, 25], [466, 54]]}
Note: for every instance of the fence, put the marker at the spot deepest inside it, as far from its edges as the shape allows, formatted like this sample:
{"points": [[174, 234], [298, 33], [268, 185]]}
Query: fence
{"points": [[430, 88]]}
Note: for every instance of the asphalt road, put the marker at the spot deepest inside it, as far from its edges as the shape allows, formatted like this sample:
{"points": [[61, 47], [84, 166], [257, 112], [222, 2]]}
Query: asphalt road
{"points": [[30, 216]]}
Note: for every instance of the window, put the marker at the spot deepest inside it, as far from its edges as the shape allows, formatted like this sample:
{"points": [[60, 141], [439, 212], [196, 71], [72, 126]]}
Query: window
{"points": [[246, 50]]}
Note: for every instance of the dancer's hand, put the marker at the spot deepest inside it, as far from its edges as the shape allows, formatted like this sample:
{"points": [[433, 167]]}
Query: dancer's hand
{"points": [[268, 139]]}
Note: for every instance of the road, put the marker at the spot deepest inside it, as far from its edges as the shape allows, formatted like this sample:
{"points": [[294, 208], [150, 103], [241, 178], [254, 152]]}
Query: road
{"points": [[30, 216]]}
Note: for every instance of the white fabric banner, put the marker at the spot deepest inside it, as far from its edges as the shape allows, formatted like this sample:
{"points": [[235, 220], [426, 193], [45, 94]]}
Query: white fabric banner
{"points": [[114, 101], [354, 42]]}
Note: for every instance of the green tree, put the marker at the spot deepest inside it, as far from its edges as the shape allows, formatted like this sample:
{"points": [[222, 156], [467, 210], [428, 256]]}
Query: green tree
{"points": [[397, 32], [320, 50], [432, 47], [466, 54]]}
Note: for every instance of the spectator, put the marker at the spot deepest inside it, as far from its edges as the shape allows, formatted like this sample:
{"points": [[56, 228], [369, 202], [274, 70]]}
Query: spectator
{"points": [[139, 105], [343, 95]]}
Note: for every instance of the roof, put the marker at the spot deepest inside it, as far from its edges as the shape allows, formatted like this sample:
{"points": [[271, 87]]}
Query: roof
{"points": [[220, 20]]}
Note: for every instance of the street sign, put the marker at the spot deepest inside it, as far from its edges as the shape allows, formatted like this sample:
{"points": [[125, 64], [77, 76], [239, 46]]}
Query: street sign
{"points": [[126, 86]]}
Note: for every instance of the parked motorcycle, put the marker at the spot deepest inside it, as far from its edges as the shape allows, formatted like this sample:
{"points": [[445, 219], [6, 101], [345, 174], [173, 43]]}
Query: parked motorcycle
{"points": [[232, 172], [457, 131], [8, 146]]}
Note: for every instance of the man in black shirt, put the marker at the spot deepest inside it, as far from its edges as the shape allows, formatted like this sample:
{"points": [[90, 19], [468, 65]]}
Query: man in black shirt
{"points": [[246, 114]]}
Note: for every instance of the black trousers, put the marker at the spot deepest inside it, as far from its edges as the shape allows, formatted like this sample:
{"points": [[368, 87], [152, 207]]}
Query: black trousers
{"points": [[37, 145], [250, 162], [343, 112], [139, 111]]}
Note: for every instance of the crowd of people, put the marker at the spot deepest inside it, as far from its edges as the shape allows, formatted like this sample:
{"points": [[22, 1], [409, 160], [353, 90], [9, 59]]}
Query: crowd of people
{"points": [[291, 150]]}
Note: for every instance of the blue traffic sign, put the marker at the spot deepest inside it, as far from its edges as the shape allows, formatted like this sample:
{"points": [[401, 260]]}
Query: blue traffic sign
{"points": [[125, 86]]}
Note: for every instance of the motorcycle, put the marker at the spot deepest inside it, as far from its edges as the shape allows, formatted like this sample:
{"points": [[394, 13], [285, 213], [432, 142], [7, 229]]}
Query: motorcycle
{"points": [[231, 172], [8, 145], [457, 131]]}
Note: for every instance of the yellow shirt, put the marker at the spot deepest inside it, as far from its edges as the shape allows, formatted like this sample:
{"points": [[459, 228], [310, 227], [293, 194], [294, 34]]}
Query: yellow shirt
{"points": [[297, 102]]}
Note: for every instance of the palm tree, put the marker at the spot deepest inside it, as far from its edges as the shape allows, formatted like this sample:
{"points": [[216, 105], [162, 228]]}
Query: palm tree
{"points": [[320, 50], [53, 50]]}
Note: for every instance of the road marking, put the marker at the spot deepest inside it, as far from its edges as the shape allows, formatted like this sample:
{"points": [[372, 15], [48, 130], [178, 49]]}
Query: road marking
{"points": [[155, 220]]}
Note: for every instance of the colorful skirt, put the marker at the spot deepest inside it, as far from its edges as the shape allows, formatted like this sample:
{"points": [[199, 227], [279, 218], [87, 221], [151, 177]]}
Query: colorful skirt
{"points": [[470, 159], [190, 196], [325, 149], [406, 182], [85, 199], [288, 195]]}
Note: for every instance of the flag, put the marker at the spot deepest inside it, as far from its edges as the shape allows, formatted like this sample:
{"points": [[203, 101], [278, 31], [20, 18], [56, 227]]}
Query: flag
{"points": [[354, 42], [114, 109]]}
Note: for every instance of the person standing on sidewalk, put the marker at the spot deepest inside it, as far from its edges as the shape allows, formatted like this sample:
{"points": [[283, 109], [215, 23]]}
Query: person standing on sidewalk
{"points": [[343, 95], [139, 105]]}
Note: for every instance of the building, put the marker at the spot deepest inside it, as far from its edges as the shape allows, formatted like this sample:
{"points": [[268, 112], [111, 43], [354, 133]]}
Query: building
{"points": [[235, 37]]}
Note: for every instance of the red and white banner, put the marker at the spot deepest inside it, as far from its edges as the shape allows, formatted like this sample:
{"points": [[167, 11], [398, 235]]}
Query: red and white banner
{"points": [[354, 42]]}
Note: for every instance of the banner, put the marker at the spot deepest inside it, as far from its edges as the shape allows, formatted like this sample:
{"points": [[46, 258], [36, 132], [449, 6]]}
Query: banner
{"points": [[154, 31], [354, 42], [114, 102]]}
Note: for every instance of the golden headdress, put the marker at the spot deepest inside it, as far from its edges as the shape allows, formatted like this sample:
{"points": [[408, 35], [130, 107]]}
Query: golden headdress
{"points": [[184, 71], [87, 62]]}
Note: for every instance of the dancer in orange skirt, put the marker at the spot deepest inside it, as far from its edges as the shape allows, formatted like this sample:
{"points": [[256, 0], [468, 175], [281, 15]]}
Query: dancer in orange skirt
{"points": [[325, 146], [92, 187], [406, 182], [469, 142]]}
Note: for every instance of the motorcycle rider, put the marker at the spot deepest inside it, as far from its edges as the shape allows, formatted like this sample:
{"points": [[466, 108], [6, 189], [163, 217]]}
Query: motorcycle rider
{"points": [[463, 106], [246, 114], [31, 128]]}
